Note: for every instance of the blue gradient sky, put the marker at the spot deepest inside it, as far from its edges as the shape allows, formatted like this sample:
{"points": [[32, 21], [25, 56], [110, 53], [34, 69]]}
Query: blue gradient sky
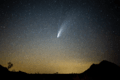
{"points": [[29, 29]]}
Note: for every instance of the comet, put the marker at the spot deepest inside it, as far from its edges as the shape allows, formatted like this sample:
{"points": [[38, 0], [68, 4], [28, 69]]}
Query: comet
{"points": [[62, 28], [59, 32]]}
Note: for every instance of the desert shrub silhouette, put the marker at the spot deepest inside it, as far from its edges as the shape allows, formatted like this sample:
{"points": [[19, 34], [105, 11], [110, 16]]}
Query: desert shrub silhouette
{"points": [[13, 70], [9, 65], [56, 73]]}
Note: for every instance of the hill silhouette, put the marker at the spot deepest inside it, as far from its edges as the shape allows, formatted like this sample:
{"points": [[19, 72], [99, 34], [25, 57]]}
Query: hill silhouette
{"points": [[105, 70], [3, 70]]}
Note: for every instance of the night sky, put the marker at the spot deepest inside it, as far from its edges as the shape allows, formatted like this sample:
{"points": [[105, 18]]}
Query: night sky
{"points": [[63, 36]]}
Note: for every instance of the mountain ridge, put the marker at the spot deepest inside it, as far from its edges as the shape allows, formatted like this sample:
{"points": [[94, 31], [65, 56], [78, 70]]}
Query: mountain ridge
{"points": [[104, 70]]}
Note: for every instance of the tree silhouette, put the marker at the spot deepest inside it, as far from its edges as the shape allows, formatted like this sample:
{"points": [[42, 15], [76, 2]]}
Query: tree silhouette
{"points": [[9, 65]]}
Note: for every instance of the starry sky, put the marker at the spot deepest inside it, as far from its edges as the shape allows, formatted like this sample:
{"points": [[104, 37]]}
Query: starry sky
{"points": [[63, 36]]}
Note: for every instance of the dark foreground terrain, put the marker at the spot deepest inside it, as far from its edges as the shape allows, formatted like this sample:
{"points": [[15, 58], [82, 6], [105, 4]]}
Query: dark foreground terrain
{"points": [[103, 71]]}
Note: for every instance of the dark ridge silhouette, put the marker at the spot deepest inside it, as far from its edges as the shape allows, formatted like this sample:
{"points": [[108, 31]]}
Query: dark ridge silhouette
{"points": [[3, 69], [105, 70], [117, 3]]}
